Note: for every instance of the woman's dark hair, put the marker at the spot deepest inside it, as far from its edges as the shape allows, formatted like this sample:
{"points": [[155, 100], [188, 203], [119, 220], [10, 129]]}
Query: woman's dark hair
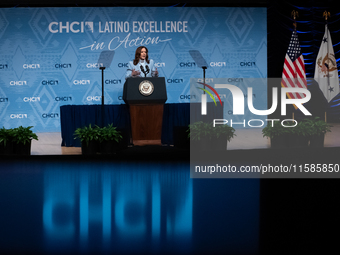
{"points": [[137, 55]]}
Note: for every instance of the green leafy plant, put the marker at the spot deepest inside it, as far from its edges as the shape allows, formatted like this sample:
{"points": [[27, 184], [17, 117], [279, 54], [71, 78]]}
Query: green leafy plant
{"points": [[109, 133], [198, 130], [303, 128], [23, 135], [224, 131], [317, 126], [276, 130], [87, 134], [6, 135]]}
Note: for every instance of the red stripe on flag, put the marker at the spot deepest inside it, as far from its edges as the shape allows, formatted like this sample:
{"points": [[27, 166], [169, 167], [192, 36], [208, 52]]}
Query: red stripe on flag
{"points": [[294, 74]]}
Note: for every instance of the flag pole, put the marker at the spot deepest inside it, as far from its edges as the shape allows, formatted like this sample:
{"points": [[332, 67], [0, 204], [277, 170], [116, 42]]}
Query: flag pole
{"points": [[294, 73], [326, 15], [294, 14]]}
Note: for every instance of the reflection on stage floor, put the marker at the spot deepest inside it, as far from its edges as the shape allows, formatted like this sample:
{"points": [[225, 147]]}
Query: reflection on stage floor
{"points": [[66, 206]]}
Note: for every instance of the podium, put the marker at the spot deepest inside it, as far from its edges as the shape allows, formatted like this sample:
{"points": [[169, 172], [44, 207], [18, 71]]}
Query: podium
{"points": [[146, 98]]}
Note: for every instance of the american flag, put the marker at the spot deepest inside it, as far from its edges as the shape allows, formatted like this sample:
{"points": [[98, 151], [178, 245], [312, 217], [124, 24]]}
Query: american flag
{"points": [[294, 74]]}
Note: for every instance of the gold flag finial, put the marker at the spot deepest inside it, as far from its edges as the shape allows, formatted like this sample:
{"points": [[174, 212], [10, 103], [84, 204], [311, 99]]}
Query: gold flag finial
{"points": [[326, 14], [294, 14]]}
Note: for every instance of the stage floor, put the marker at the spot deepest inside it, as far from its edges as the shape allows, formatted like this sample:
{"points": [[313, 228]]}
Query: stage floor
{"points": [[50, 143], [143, 201]]}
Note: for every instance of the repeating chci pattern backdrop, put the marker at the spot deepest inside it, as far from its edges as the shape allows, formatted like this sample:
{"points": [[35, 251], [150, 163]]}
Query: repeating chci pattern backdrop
{"points": [[49, 56]]}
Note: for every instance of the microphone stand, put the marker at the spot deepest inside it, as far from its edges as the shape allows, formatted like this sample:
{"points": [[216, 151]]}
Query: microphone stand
{"points": [[200, 62], [143, 71], [204, 68], [147, 70], [104, 62], [102, 107]]}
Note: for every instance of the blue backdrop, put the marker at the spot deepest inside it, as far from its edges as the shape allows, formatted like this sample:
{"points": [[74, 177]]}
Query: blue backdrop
{"points": [[49, 56]]}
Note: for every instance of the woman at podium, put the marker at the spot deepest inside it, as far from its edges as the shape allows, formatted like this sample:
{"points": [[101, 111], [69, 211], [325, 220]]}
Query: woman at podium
{"points": [[141, 66]]}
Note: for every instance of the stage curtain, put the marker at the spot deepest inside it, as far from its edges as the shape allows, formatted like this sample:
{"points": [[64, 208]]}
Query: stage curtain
{"points": [[180, 115], [174, 115], [75, 116]]}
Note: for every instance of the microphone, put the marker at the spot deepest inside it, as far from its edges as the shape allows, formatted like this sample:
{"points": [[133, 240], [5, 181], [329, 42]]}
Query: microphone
{"points": [[147, 69], [142, 69]]}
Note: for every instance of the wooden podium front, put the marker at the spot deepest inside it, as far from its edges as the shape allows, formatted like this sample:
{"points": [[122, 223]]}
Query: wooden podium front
{"points": [[146, 109], [146, 121]]}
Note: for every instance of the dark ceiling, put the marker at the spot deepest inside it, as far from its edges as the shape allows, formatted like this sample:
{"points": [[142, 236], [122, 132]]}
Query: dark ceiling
{"points": [[87, 3]]}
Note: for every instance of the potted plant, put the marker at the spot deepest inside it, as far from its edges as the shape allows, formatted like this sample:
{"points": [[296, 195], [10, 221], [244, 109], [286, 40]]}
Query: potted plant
{"points": [[318, 130], [222, 134], [109, 138], [279, 135], [300, 134], [200, 135], [6, 145], [89, 137], [22, 138], [205, 136]]}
